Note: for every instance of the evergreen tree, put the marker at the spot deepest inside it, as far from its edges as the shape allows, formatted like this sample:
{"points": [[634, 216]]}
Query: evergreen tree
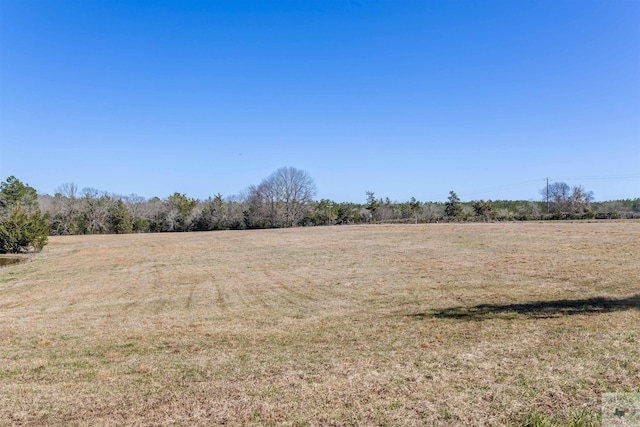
{"points": [[22, 225], [13, 192], [483, 209], [372, 204], [119, 219], [453, 207]]}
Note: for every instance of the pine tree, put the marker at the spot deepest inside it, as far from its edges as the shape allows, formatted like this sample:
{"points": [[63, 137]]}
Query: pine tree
{"points": [[453, 208], [119, 219], [22, 232], [23, 228]]}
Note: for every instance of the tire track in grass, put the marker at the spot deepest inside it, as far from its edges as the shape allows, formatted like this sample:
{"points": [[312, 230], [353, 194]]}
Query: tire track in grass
{"points": [[221, 298], [189, 302], [225, 296], [288, 289]]}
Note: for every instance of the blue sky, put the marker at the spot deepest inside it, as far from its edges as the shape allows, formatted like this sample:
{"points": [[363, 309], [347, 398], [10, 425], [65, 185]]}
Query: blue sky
{"points": [[402, 98]]}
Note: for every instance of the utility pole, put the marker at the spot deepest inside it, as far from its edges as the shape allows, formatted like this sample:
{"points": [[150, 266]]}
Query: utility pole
{"points": [[547, 196]]}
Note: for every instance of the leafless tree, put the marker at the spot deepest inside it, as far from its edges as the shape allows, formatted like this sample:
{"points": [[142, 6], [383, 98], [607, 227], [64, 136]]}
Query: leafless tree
{"points": [[95, 210], [236, 210], [581, 199], [563, 198], [281, 199], [138, 210], [529, 211], [64, 210]]}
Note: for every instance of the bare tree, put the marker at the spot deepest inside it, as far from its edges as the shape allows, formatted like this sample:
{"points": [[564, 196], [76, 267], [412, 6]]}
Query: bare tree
{"points": [[581, 199], [138, 208], [68, 190], [528, 211], [64, 210], [95, 210], [563, 198], [236, 211], [281, 199], [557, 195], [433, 212]]}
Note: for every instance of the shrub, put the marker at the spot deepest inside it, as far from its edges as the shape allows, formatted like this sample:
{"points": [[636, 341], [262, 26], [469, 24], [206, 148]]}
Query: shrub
{"points": [[23, 232]]}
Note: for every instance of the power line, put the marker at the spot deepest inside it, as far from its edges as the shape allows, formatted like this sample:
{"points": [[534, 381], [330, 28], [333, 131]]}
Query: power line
{"points": [[601, 178]]}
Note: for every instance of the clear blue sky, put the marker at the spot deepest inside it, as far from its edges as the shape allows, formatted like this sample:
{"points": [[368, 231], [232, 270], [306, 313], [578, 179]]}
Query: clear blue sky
{"points": [[403, 98]]}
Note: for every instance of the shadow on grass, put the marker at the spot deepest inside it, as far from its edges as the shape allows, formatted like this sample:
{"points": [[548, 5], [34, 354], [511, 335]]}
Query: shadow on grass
{"points": [[536, 309]]}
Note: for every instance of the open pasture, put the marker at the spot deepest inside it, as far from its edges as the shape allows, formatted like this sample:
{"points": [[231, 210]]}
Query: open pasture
{"points": [[439, 324]]}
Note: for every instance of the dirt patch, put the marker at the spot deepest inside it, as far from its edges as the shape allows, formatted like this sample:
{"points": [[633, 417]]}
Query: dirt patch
{"points": [[11, 260]]}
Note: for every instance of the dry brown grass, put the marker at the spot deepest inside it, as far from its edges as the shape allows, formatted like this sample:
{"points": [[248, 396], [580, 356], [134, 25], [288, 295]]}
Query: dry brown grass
{"points": [[442, 324]]}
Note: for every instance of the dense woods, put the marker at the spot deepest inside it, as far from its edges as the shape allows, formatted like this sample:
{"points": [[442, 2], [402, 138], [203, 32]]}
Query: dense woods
{"points": [[284, 199]]}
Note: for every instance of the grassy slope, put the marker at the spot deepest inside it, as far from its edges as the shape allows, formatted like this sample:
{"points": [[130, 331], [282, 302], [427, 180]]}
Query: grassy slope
{"points": [[403, 325]]}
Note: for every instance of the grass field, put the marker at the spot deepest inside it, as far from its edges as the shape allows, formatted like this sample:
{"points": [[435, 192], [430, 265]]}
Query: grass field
{"points": [[440, 324]]}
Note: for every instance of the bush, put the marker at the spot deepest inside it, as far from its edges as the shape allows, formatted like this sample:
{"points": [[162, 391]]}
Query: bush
{"points": [[21, 232]]}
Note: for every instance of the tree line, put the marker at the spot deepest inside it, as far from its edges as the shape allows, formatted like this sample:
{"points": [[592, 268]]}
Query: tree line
{"points": [[283, 199]]}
